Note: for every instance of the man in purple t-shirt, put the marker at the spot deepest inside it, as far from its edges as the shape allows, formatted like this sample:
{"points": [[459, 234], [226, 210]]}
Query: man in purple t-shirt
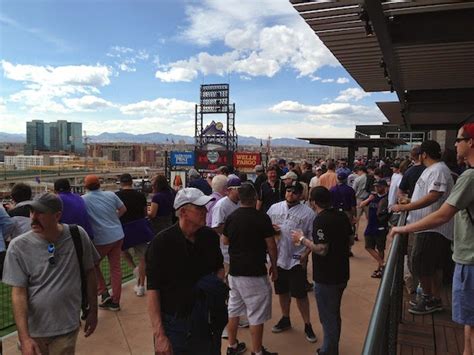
{"points": [[74, 207]]}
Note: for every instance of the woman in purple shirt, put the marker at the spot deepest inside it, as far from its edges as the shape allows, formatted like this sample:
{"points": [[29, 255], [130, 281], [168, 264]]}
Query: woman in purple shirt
{"points": [[161, 209]]}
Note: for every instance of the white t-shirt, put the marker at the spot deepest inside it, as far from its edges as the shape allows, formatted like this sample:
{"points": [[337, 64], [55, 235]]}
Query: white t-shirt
{"points": [[314, 182], [289, 219], [221, 210], [437, 177], [393, 191]]}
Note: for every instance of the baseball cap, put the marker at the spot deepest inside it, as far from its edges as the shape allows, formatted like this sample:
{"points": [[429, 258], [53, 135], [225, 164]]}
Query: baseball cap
{"points": [[381, 182], [191, 195], [295, 187], [91, 181], [233, 182], [126, 178], [44, 203], [193, 173], [259, 169], [290, 175], [342, 176]]}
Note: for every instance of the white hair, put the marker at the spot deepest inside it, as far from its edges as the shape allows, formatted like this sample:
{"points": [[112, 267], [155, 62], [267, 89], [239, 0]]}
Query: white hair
{"points": [[219, 183]]}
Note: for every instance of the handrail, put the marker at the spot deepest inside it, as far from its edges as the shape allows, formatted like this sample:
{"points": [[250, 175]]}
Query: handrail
{"points": [[376, 341]]}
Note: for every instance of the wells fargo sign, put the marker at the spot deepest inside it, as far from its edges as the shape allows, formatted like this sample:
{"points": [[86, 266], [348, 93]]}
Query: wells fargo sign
{"points": [[243, 160]]}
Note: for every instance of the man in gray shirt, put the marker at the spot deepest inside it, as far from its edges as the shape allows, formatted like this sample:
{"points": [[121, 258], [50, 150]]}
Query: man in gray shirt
{"points": [[361, 194], [42, 268]]}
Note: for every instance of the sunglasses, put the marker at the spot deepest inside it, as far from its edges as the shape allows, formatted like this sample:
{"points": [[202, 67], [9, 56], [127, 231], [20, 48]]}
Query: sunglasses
{"points": [[51, 250], [459, 140]]}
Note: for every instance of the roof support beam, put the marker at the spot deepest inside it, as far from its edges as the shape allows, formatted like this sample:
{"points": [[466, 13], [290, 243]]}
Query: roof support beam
{"points": [[380, 26], [432, 27]]}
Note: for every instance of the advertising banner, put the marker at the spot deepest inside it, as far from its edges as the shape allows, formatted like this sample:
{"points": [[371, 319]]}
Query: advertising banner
{"points": [[212, 159], [246, 160], [182, 158]]}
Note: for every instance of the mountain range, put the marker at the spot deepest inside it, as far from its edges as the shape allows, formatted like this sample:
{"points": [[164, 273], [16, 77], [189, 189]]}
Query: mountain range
{"points": [[159, 138]]}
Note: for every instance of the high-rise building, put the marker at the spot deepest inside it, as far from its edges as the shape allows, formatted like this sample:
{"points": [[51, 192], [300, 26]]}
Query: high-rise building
{"points": [[53, 136]]}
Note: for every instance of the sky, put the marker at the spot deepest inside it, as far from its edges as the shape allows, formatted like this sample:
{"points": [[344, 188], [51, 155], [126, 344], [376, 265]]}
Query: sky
{"points": [[136, 66]]}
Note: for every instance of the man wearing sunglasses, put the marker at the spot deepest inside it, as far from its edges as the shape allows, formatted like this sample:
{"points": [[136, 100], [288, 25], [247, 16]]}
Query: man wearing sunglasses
{"points": [[460, 205], [288, 216], [42, 267]]}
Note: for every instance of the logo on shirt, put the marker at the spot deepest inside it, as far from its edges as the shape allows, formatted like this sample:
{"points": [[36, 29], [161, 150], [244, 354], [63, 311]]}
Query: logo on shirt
{"points": [[320, 234]]}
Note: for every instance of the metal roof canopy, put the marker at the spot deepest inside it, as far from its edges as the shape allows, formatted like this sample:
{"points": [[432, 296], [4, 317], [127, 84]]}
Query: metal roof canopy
{"points": [[424, 51], [353, 143], [424, 120], [357, 142]]}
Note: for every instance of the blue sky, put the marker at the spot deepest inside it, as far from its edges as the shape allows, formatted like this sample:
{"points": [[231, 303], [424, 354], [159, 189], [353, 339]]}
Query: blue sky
{"points": [[136, 65]]}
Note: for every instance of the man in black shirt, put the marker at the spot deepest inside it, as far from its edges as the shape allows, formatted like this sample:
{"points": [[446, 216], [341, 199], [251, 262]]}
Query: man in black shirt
{"points": [[134, 227], [271, 191], [176, 260], [250, 235], [411, 176], [331, 236]]}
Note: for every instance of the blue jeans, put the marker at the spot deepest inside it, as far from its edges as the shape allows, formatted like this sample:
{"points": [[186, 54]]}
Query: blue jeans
{"points": [[178, 331], [328, 299]]}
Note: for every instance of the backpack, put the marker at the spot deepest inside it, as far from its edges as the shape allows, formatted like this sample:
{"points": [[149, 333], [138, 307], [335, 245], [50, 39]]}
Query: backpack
{"points": [[76, 238]]}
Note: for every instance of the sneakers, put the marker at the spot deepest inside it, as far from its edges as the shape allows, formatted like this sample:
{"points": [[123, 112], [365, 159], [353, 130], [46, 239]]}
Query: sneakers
{"points": [[239, 349], [110, 305], [225, 334], [310, 336], [139, 290], [243, 322], [282, 325], [104, 297], [426, 305], [265, 352]]}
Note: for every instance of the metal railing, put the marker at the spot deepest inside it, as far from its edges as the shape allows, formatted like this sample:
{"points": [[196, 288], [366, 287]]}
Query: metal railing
{"points": [[7, 321], [382, 332]]}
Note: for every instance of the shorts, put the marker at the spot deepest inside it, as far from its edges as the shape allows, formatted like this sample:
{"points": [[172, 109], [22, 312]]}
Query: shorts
{"points": [[250, 296], [376, 241], [463, 294], [59, 344], [429, 253], [139, 250], [291, 281]]}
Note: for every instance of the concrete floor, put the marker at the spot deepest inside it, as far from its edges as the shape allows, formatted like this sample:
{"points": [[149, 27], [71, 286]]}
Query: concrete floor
{"points": [[129, 331]]}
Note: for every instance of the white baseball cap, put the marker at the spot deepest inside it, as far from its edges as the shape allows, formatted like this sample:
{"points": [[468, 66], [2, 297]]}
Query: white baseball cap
{"points": [[191, 195], [290, 175]]}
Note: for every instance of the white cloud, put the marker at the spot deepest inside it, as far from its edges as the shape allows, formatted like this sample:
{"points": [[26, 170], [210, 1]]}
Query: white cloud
{"points": [[327, 80], [342, 80], [256, 47], [338, 113], [126, 57], [160, 106], [87, 103], [262, 52], [351, 94], [84, 75], [46, 86]]}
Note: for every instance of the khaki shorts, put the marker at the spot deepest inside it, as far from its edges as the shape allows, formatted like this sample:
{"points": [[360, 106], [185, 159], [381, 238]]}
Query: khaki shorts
{"points": [[250, 296], [139, 250], [64, 344]]}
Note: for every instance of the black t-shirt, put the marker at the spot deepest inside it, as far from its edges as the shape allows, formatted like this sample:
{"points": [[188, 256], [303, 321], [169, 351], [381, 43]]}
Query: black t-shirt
{"points": [[247, 229], [409, 179], [270, 195], [259, 181], [307, 176], [136, 204], [174, 265], [332, 227]]}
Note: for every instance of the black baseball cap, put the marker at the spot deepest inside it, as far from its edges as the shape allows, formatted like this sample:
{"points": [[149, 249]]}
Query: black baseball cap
{"points": [[295, 187]]}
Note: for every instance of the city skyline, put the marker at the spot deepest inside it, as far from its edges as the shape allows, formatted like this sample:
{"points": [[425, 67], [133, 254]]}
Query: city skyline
{"points": [[136, 67]]}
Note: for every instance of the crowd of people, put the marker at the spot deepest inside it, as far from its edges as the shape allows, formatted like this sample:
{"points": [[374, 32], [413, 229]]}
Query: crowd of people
{"points": [[206, 255]]}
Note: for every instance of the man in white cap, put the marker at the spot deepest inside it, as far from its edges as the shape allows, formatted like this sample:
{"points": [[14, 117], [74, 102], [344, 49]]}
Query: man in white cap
{"points": [[42, 267], [176, 260]]}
